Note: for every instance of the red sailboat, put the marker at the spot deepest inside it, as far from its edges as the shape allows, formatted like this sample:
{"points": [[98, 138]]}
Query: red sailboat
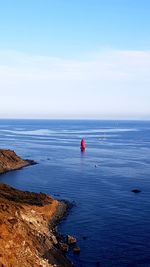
{"points": [[83, 145]]}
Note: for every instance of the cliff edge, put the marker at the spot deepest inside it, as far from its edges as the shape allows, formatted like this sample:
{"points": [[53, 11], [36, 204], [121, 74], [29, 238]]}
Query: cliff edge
{"points": [[26, 229]]}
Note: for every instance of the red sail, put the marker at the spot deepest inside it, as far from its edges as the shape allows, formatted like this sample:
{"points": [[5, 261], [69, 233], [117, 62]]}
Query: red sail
{"points": [[83, 146]]}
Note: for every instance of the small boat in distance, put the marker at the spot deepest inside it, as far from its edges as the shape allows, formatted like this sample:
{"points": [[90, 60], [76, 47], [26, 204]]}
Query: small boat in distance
{"points": [[83, 145]]}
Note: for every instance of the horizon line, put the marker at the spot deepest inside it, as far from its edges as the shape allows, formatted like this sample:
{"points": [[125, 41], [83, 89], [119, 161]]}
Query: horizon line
{"points": [[79, 119]]}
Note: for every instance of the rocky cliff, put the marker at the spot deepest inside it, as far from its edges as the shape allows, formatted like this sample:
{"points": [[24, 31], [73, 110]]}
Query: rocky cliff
{"points": [[27, 237], [10, 161], [27, 223]]}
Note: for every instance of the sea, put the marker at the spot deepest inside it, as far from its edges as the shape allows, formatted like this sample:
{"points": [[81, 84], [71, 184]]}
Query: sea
{"points": [[111, 223]]}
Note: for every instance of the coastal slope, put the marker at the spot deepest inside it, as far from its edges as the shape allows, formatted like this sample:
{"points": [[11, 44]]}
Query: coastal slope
{"points": [[27, 237], [10, 161]]}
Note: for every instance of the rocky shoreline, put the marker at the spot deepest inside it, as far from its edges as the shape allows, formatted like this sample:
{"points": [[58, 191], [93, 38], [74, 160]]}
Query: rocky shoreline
{"points": [[28, 235], [27, 229]]}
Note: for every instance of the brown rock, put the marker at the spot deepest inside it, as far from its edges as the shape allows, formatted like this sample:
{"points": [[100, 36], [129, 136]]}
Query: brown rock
{"points": [[71, 240]]}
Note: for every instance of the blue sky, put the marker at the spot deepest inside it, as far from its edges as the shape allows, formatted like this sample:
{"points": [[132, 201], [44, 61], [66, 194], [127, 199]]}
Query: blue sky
{"points": [[75, 59]]}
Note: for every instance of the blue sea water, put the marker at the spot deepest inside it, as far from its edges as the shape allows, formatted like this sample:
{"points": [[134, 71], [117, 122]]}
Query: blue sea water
{"points": [[111, 223]]}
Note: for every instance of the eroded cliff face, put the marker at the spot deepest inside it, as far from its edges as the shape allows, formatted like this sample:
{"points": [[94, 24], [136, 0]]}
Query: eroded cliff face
{"points": [[10, 161], [26, 237]]}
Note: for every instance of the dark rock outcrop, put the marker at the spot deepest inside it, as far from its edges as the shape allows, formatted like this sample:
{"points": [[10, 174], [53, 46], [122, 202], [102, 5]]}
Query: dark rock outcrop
{"points": [[136, 190]]}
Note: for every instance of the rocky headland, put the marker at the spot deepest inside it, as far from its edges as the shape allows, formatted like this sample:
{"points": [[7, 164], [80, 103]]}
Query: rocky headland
{"points": [[10, 161]]}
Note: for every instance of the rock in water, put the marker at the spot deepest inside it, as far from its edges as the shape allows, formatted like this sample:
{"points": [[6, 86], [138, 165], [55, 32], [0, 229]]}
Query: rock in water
{"points": [[76, 250], [71, 240], [136, 190]]}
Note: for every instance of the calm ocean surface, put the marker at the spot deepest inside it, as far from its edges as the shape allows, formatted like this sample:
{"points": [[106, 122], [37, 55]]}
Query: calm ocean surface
{"points": [[115, 221]]}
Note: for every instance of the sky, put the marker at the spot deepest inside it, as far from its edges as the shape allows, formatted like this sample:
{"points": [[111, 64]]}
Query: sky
{"points": [[81, 59]]}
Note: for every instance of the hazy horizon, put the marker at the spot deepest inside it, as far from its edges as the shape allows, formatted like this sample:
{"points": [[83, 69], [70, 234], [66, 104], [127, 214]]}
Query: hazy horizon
{"points": [[75, 119]]}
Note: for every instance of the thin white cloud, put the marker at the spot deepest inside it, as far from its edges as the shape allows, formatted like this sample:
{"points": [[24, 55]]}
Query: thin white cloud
{"points": [[109, 82]]}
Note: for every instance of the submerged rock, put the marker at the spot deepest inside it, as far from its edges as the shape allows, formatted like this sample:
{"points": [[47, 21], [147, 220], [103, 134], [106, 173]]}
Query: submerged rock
{"points": [[76, 250]]}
